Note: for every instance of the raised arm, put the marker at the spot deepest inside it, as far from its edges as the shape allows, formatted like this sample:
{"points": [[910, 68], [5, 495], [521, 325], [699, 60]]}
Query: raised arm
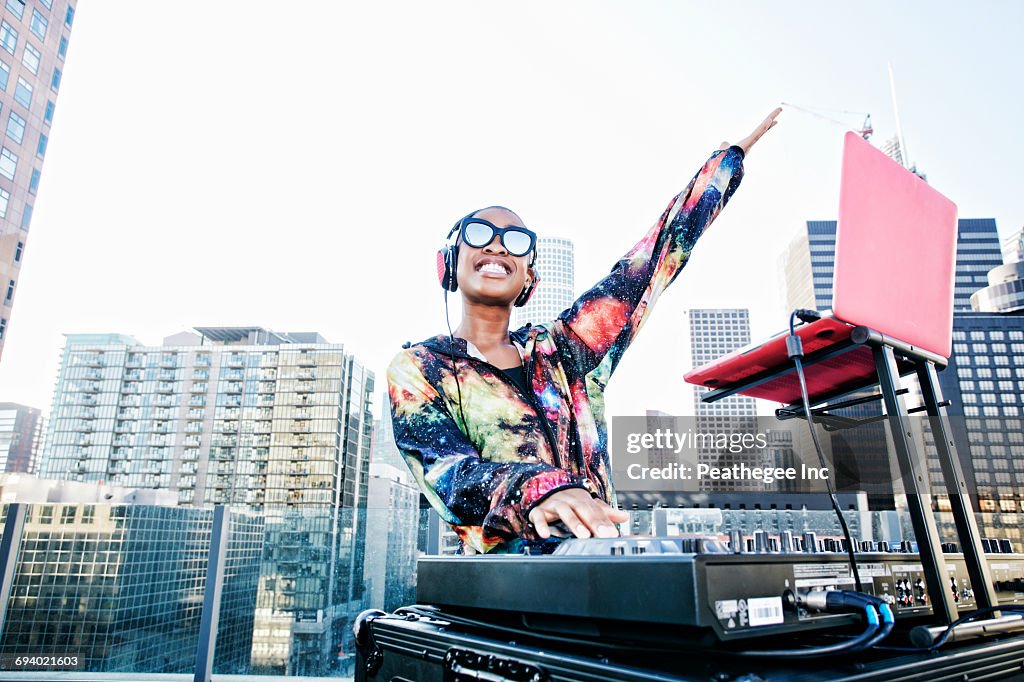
{"points": [[605, 320]]}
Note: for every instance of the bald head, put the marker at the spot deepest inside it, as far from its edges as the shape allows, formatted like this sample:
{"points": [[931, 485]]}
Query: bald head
{"points": [[499, 215]]}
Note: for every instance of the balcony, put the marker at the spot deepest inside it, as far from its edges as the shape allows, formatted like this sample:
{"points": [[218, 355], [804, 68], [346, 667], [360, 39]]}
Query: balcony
{"points": [[165, 387], [235, 361], [169, 362]]}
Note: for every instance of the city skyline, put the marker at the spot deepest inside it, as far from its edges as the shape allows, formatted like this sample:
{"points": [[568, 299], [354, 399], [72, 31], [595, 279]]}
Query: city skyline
{"points": [[154, 254]]}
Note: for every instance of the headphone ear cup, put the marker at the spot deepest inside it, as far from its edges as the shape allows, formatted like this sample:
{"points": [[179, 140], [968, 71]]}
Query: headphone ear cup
{"points": [[447, 258], [524, 297]]}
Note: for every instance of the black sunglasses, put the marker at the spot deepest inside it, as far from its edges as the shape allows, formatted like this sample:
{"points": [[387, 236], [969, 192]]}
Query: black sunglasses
{"points": [[516, 239]]}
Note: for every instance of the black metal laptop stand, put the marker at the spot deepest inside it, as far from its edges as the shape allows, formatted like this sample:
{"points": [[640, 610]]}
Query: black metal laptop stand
{"points": [[893, 358]]}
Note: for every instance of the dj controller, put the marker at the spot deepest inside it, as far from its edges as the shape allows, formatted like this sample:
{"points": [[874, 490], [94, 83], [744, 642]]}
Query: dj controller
{"points": [[680, 609], [700, 584]]}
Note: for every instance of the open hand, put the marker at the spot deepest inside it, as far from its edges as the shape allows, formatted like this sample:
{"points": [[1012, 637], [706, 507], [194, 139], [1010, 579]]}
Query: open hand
{"points": [[747, 142], [583, 515]]}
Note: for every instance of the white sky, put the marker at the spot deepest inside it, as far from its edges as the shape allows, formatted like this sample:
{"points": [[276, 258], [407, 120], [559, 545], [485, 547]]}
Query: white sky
{"points": [[295, 166]]}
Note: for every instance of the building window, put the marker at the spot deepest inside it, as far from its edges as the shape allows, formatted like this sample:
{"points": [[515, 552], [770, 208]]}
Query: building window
{"points": [[8, 163], [31, 58], [5, 75], [17, 7], [41, 147], [62, 49], [38, 24], [5, 200], [15, 127], [33, 183], [69, 17], [3, 326], [26, 217], [23, 93], [20, 249], [10, 292], [68, 514], [55, 81], [48, 113], [8, 37]]}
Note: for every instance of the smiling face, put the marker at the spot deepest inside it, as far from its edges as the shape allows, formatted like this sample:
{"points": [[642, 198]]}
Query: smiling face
{"points": [[490, 275]]}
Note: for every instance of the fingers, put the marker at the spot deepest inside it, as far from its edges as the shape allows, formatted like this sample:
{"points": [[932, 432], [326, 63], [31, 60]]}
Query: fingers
{"points": [[540, 523], [583, 515], [572, 521]]}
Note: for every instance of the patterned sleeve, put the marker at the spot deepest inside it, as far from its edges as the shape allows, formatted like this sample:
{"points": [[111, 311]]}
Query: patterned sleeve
{"points": [[604, 321], [486, 503]]}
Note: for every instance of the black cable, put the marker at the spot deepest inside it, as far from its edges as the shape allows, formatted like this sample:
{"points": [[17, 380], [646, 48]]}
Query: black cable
{"points": [[888, 623], [451, 352], [795, 348], [941, 639], [852, 644]]}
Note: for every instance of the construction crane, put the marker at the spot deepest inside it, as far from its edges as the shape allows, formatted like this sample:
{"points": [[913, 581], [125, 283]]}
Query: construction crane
{"points": [[865, 130]]}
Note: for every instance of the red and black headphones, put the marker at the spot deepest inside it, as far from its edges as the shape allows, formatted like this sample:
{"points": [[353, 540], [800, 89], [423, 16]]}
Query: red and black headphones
{"points": [[448, 259]]}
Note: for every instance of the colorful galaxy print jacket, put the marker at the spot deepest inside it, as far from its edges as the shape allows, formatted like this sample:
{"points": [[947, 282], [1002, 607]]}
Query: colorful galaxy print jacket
{"points": [[484, 475]]}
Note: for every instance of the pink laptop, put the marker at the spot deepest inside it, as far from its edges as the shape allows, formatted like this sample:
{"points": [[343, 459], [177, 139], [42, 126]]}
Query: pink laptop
{"points": [[894, 269]]}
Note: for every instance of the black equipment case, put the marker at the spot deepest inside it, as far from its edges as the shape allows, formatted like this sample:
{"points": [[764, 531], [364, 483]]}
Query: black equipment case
{"points": [[417, 648]]}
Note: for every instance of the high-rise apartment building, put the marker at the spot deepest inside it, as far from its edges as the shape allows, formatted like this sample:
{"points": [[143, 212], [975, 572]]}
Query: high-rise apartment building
{"points": [[556, 267], [714, 333], [33, 45], [275, 423], [21, 435]]}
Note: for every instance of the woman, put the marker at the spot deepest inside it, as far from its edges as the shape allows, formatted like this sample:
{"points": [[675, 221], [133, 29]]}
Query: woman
{"points": [[505, 432]]}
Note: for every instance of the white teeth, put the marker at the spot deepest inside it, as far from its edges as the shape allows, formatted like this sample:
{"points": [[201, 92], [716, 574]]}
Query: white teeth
{"points": [[493, 268]]}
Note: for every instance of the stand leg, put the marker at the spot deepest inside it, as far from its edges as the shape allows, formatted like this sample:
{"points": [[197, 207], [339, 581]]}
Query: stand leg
{"points": [[918, 501], [956, 488]]}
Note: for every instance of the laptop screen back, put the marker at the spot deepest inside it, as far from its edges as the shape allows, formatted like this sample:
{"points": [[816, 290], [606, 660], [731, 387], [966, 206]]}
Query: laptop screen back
{"points": [[895, 251]]}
